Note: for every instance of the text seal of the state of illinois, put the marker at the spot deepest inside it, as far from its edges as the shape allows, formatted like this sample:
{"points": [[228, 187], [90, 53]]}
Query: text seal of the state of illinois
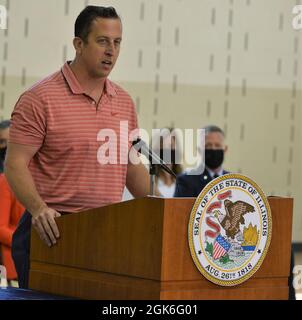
{"points": [[230, 229]]}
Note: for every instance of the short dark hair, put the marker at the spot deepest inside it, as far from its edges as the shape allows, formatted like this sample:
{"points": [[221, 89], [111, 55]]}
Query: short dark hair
{"points": [[213, 128], [4, 124], [84, 20]]}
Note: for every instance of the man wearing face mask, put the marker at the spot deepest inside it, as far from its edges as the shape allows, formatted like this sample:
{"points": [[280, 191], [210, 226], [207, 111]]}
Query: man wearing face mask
{"points": [[190, 185], [4, 133]]}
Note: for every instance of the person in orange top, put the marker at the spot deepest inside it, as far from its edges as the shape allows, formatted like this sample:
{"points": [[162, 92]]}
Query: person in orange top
{"points": [[10, 213]]}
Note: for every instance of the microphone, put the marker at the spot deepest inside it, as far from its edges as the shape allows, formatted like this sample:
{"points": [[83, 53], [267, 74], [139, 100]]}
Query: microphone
{"points": [[140, 146]]}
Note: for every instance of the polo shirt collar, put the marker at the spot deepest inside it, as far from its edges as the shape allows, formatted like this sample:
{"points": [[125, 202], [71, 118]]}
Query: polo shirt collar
{"points": [[71, 79], [109, 88], [75, 86]]}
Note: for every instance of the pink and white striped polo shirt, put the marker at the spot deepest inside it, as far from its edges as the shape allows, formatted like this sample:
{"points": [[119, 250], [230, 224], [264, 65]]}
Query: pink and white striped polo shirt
{"points": [[56, 116]]}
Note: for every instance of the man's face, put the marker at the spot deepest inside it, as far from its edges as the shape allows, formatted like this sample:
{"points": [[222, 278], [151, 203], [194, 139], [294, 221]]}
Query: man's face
{"points": [[214, 150], [215, 140], [102, 49], [4, 133]]}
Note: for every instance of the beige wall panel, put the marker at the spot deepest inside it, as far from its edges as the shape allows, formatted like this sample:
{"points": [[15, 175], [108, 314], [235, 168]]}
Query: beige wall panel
{"points": [[187, 63]]}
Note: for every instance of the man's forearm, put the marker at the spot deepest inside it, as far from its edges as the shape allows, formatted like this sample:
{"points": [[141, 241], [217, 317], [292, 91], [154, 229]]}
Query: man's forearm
{"points": [[22, 184], [138, 181]]}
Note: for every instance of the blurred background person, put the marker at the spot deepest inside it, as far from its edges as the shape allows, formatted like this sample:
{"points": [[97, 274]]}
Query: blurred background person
{"points": [[167, 145], [190, 185], [4, 133]]}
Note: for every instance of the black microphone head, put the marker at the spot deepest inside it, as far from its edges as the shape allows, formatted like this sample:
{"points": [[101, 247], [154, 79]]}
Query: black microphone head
{"points": [[134, 142], [142, 148]]}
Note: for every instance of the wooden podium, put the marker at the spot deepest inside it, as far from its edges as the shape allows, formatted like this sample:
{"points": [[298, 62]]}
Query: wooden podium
{"points": [[139, 250]]}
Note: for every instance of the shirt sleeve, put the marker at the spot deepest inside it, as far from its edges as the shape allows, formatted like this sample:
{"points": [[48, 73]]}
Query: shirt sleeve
{"points": [[28, 121]]}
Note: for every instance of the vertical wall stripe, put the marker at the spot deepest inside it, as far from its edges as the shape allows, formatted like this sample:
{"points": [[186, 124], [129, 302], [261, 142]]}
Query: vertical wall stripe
{"points": [[276, 111], [156, 84], [242, 132], [226, 109], [230, 18], [243, 89], [142, 11], [26, 27], [174, 83], [229, 41], [160, 13], [5, 51], [176, 37], [229, 64], [274, 156], [227, 87], [2, 100], [158, 36], [281, 22], [211, 63], [279, 66], [155, 106], [140, 58], [209, 108], [246, 41], [66, 7], [213, 17], [3, 78], [23, 77], [158, 58]]}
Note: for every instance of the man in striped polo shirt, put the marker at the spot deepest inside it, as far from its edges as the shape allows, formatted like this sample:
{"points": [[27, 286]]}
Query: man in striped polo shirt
{"points": [[54, 157]]}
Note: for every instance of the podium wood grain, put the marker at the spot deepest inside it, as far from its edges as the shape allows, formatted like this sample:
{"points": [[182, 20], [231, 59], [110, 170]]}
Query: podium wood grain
{"points": [[139, 250]]}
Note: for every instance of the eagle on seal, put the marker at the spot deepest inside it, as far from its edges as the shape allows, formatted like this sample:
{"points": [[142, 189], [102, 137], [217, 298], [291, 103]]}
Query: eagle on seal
{"points": [[234, 216]]}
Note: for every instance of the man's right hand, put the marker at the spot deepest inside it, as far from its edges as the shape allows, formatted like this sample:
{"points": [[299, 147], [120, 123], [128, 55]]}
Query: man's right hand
{"points": [[44, 223], [17, 161]]}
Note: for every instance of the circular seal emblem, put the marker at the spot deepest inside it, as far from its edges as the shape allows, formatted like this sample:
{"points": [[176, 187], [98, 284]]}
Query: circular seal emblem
{"points": [[230, 229]]}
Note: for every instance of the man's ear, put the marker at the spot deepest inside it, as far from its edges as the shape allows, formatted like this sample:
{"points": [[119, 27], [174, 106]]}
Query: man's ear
{"points": [[226, 149], [78, 45]]}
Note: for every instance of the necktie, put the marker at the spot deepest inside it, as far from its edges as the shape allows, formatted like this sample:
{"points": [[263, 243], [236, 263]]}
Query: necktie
{"points": [[215, 176]]}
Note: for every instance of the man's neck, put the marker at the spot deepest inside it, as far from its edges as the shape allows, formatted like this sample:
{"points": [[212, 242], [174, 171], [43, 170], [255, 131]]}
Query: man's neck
{"points": [[91, 86]]}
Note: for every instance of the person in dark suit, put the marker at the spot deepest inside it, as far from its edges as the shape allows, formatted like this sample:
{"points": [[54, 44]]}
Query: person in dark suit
{"points": [[190, 184]]}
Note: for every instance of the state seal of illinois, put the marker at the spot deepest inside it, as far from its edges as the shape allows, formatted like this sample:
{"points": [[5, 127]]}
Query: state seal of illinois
{"points": [[230, 229]]}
